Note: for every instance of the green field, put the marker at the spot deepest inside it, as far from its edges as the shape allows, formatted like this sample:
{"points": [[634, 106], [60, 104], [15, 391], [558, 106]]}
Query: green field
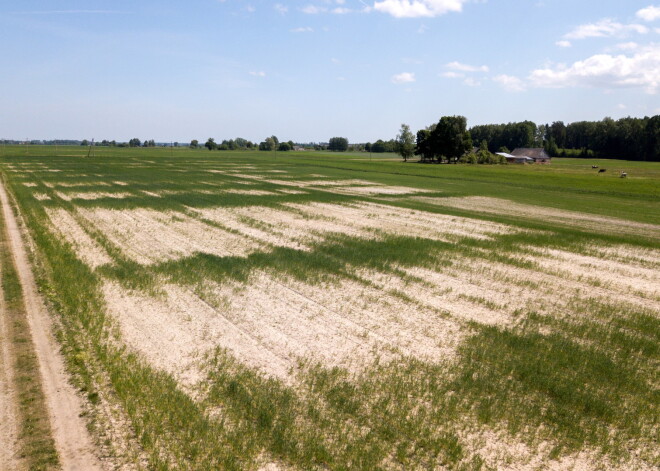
{"points": [[239, 310]]}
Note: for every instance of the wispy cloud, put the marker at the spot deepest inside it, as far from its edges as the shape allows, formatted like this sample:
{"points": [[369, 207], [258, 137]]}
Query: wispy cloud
{"points": [[302, 29], [419, 8], [404, 77], [259, 73], [466, 68], [605, 28], [70, 12], [510, 83]]}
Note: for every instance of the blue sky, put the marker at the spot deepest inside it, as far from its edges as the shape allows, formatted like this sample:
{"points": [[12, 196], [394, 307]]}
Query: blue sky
{"points": [[309, 70]]}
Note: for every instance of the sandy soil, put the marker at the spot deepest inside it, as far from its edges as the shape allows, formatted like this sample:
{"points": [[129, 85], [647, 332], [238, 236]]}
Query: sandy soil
{"points": [[378, 190], [91, 195], [570, 218], [271, 324], [86, 248], [401, 221], [148, 236], [72, 440]]}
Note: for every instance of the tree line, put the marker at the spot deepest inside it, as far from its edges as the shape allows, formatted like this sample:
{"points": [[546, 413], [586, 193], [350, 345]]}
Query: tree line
{"points": [[626, 138]]}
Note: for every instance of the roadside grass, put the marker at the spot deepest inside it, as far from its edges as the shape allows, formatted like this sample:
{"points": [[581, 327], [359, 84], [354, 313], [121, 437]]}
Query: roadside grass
{"points": [[36, 445]]}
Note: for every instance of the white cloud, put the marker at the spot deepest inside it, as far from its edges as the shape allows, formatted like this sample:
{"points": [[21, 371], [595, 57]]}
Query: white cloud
{"points": [[470, 82], [466, 68], [405, 77], [629, 46], [418, 8], [650, 13], [313, 9], [452, 75], [605, 28], [563, 43], [260, 73], [641, 70], [510, 83], [302, 29], [282, 9]]}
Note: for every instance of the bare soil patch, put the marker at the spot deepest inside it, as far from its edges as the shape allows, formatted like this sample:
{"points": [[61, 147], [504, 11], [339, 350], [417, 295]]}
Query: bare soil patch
{"points": [[148, 236], [92, 195], [86, 248], [272, 324], [401, 221], [559, 216]]}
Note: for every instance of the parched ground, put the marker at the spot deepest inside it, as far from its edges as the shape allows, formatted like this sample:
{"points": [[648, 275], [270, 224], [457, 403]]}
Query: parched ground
{"points": [[351, 275]]}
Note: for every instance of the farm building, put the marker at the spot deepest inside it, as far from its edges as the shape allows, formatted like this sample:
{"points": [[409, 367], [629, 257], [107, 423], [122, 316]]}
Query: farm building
{"points": [[512, 159], [539, 155]]}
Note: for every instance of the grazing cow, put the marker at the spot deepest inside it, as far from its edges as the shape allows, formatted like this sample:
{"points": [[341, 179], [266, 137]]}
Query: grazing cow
{"points": [[602, 170], [594, 166], [624, 174]]}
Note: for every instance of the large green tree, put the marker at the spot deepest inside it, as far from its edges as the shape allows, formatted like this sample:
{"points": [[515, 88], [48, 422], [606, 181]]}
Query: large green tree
{"points": [[210, 144], [338, 144], [405, 143], [423, 145], [450, 138]]}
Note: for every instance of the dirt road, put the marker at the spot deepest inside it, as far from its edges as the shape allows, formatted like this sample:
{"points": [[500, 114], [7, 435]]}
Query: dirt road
{"points": [[73, 442]]}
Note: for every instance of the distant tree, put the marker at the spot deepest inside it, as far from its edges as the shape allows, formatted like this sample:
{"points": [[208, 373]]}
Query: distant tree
{"points": [[269, 144], [135, 142], [338, 144], [405, 143], [210, 144], [176, 144], [423, 145], [194, 144], [551, 147], [504, 149], [284, 147], [378, 147], [367, 147], [450, 138], [84, 142]]}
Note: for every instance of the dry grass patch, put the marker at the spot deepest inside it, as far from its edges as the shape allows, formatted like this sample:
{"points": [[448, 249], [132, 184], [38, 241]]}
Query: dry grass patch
{"points": [[577, 219], [86, 248], [378, 190], [148, 236], [250, 192], [407, 222], [92, 195], [273, 323]]}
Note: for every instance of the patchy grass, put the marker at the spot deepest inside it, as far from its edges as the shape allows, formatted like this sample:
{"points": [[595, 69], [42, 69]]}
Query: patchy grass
{"points": [[583, 377], [36, 447]]}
